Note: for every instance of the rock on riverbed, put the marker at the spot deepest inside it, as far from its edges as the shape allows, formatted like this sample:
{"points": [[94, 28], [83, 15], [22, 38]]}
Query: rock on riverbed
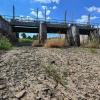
{"points": [[23, 77]]}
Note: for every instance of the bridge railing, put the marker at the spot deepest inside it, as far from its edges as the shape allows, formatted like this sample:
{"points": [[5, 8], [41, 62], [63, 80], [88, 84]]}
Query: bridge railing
{"points": [[52, 21]]}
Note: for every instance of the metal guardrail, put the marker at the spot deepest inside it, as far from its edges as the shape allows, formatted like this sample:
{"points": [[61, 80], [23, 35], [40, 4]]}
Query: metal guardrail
{"points": [[51, 21]]}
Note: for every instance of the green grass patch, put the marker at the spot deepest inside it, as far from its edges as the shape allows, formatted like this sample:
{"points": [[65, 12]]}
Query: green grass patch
{"points": [[5, 43], [25, 40], [93, 50]]}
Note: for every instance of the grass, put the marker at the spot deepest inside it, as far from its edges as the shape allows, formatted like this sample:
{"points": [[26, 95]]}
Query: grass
{"points": [[5, 43], [54, 43], [25, 40], [36, 43], [93, 42], [57, 76], [93, 50]]}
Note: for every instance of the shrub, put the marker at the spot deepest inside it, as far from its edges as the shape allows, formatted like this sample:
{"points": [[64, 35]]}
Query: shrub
{"points": [[5, 43]]}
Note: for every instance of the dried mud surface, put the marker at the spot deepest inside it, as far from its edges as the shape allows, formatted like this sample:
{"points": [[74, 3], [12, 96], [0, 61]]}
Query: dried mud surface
{"points": [[23, 77]]}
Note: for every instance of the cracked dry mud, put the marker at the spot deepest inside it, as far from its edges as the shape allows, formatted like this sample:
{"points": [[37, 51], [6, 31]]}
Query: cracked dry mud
{"points": [[22, 75]]}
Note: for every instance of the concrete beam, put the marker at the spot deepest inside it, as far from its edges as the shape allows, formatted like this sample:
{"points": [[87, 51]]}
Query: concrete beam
{"points": [[42, 33]]}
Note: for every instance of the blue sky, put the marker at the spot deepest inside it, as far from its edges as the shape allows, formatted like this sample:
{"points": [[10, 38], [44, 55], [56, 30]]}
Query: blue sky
{"points": [[77, 10]]}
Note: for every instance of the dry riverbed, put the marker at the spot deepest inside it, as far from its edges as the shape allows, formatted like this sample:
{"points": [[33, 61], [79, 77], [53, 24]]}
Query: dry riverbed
{"points": [[23, 75]]}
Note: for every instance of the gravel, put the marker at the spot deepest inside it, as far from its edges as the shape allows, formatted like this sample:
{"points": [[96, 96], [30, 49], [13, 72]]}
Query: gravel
{"points": [[23, 75]]}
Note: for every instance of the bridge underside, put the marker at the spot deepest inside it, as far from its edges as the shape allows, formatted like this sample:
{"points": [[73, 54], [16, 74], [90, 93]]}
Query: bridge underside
{"points": [[71, 32], [86, 31], [36, 30]]}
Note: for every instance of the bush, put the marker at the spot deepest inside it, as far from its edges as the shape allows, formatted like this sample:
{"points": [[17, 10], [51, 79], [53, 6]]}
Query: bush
{"points": [[5, 44]]}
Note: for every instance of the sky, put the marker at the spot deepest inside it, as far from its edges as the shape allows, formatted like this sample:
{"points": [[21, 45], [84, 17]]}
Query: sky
{"points": [[77, 10]]}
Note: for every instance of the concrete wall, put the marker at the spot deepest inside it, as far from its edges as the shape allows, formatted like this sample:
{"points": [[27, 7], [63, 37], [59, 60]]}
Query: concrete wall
{"points": [[5, 28]]}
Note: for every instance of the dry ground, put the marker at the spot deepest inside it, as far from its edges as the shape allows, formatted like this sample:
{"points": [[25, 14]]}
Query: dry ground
{"points": [[23, 77]]}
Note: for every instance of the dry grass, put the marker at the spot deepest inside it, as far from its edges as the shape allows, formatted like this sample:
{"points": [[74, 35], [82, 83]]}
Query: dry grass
{"points": [[56, 42], [36, 43], [94, 43]]}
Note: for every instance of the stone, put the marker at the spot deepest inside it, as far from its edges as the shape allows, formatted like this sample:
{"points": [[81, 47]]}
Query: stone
{"points": [[2, 87], [38, 98], [20, 94]]}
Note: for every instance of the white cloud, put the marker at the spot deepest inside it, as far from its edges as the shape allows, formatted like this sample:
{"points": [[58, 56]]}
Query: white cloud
{"points": [[48, 18], [54, 7], [93, 9], [44, 7], [48, 1], [48, 12], [84, 19], [33, 13], [40, 13]]}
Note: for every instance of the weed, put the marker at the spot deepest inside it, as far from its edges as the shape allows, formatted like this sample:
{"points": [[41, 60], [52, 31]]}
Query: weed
{"points": [[5, 43]]}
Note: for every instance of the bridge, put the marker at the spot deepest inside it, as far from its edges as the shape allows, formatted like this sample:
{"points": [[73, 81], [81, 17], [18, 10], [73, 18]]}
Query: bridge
{"points": [[10, 27]]}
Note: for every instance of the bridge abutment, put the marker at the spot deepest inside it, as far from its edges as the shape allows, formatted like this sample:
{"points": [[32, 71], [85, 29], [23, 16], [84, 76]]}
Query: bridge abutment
{"points": [[42, 33]]}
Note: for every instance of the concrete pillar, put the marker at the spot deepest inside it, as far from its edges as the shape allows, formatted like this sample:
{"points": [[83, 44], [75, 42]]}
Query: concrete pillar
{"points": [[69, 37], [73, 36], [42, 33], [76, 35]]}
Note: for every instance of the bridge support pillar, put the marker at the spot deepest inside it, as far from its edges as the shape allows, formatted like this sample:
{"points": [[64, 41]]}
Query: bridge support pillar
{"points": [[42, 33], [75, 35], [69, 37]]}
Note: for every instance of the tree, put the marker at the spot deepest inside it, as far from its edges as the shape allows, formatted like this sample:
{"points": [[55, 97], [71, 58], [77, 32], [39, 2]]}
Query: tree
{"points": [[23, 35], [35, 37], [29, 37]]}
